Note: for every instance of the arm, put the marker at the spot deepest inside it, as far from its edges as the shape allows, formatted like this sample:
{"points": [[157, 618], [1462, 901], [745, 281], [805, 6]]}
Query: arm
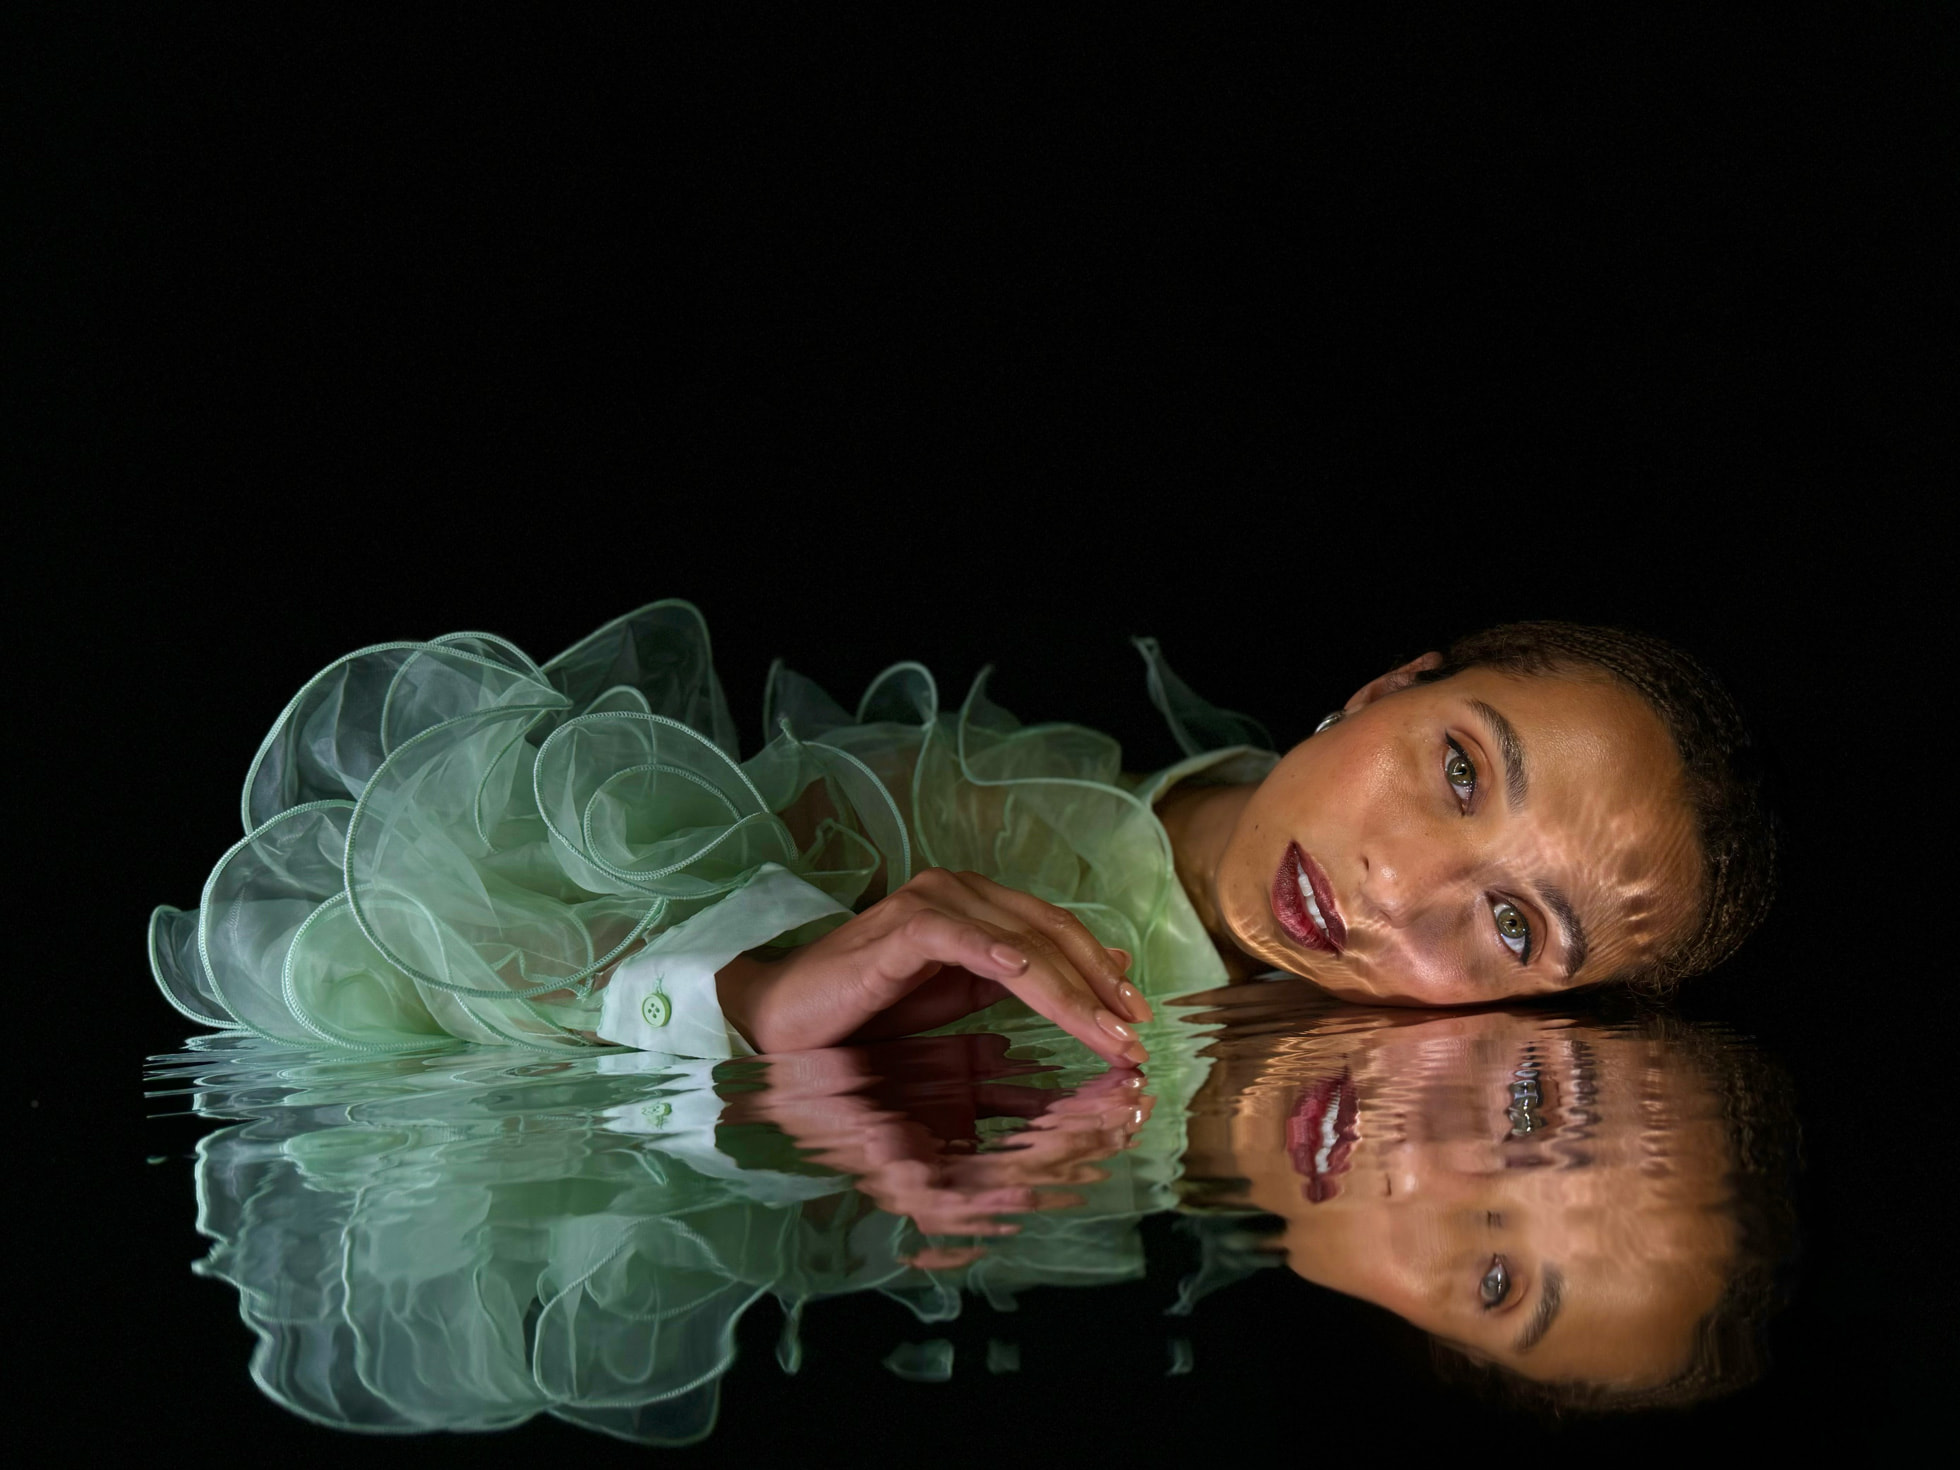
{"points": [[943, 946]]}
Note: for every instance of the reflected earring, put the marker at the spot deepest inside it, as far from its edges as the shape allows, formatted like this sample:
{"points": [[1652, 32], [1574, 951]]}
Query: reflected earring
{"points": [[1333, 719]]}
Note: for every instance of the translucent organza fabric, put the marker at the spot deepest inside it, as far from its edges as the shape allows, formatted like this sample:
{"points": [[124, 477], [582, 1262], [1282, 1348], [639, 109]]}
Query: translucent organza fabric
{"points": [[450, 840], [463, 1239]]}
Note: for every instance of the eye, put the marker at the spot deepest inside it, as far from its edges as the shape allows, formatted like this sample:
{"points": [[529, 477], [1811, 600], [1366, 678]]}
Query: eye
{"points": [[1496, 1285], [1461, 772], [1513, 928]]}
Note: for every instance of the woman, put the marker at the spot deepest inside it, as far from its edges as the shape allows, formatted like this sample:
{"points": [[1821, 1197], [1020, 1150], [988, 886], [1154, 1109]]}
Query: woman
{"points": [[447, 838]]}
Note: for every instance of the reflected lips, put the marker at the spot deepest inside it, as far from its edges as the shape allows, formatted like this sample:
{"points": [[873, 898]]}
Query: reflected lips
{"points": [[1320, 1136], [1291, 908]]}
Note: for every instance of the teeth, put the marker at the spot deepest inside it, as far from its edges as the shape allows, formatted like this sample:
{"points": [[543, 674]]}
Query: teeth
{"points": [[1329, 1136], [1313, 904]]}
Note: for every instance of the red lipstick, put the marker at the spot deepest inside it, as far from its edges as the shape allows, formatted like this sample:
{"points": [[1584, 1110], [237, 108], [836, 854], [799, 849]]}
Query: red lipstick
{"points": [[1320, 1135], [1290, 905]]}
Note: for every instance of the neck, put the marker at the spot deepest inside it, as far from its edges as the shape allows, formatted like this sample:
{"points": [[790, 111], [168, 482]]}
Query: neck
{"points": [[1200, 821]]}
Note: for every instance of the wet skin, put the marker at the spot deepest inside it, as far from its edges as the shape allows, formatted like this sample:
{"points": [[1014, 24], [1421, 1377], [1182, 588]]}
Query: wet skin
{"points": [[1483, 837], [1589, 1248]]}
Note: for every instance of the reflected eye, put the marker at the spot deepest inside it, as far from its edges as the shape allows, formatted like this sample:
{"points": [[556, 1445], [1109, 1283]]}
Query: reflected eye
{"points": [[1496, 1284], [1512, 928], [1460, 772]]}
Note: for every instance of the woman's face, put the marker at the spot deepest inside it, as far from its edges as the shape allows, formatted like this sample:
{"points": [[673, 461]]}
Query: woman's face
{"points": [[1486, 836], [1550, 1197]]}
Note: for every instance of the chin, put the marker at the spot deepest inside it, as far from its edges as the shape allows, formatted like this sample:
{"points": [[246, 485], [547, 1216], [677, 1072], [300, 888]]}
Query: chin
{"points": [[1332, 978], [1303, 967], [1341, 987]]}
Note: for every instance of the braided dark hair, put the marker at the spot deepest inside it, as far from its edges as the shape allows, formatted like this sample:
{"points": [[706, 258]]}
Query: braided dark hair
{"points": [[1723, 779]]}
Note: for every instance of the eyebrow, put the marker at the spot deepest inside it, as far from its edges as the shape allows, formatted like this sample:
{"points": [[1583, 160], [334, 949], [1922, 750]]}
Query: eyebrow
{"points": [[1516, 778], [1551, 1296], [1572, 933]]}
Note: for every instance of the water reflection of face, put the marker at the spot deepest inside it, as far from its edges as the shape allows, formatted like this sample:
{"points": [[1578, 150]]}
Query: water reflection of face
{"points": [[1481, 837], [1549, 1196], [464, 1239]]}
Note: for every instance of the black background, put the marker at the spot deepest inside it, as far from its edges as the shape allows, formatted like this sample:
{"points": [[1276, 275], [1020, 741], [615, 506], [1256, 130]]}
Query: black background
{"points": [[995, 339]]}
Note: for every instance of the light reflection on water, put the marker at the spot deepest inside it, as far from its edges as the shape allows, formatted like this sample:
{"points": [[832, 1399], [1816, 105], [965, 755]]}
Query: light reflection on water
{"points": [[464, 1238]]}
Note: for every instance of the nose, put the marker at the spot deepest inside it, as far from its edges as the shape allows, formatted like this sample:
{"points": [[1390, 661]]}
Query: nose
{"points": [[1405, 876]]}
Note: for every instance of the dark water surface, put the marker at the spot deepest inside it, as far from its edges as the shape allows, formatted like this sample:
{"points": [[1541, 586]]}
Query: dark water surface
{"points": [[1300, 1211]]}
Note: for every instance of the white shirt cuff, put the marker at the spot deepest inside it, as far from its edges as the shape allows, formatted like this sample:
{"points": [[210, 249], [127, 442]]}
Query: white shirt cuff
{"points": [[663, 998], [681, 1117]]}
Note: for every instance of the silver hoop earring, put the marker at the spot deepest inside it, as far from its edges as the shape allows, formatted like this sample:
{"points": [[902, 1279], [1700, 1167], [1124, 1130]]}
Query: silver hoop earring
{"points": [[1333, 719]]}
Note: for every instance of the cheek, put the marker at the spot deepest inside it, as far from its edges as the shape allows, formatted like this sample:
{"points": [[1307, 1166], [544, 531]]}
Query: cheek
{"points": [[1330, 796]]}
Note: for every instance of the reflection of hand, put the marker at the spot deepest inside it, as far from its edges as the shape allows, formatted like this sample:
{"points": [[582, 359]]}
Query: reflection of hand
{"points": [[919, 1159], [941, 947]]}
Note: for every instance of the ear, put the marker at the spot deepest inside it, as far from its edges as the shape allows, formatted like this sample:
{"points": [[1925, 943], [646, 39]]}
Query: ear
{"points": [[1393, 680]]}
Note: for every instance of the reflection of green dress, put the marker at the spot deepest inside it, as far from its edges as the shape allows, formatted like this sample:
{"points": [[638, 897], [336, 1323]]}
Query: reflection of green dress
{"points": [[462, 1239], [446, 839]]}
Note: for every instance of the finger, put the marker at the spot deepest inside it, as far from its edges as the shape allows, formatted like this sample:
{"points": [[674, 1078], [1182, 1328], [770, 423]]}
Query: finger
{"points": [[1097, 964], [1057, 1199], [1050, 1164], [1134, 1005], [1113, 1107], [1044, 1146], [1055, 989], [1066, 1000], [1050, 984], [1086, 1139], [899, 1148], [943, 1211], [1026, 1200], [990, 942], [895, 962], [1011, 1199], [1117, 1081]]}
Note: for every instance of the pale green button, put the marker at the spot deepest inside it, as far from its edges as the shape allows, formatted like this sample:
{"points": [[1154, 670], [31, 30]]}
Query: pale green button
{"points": [[656, 1113], [656, 1008]]}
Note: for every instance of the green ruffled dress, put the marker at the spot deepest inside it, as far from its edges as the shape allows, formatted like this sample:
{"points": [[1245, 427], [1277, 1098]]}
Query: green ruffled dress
{"points": [[448, 839]]}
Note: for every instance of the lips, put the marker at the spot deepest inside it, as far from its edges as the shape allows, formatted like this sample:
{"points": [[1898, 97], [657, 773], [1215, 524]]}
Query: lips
{"points": [[1320, 1135], [1298, 876]]}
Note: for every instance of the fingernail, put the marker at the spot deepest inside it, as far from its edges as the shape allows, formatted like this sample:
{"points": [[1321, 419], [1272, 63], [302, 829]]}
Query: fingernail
{"points": [[1123, 958], [1114, 1027], [1137, 1054], [1006, 955], [1133, 1001]]}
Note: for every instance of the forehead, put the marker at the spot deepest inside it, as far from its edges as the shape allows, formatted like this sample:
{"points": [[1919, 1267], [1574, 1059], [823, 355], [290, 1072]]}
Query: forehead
{"points": [[1580, 727]]}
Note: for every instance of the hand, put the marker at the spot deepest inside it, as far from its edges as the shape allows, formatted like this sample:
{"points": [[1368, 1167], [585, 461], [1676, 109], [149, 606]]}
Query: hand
{"points": [[941, 947], [901, 1117]]}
